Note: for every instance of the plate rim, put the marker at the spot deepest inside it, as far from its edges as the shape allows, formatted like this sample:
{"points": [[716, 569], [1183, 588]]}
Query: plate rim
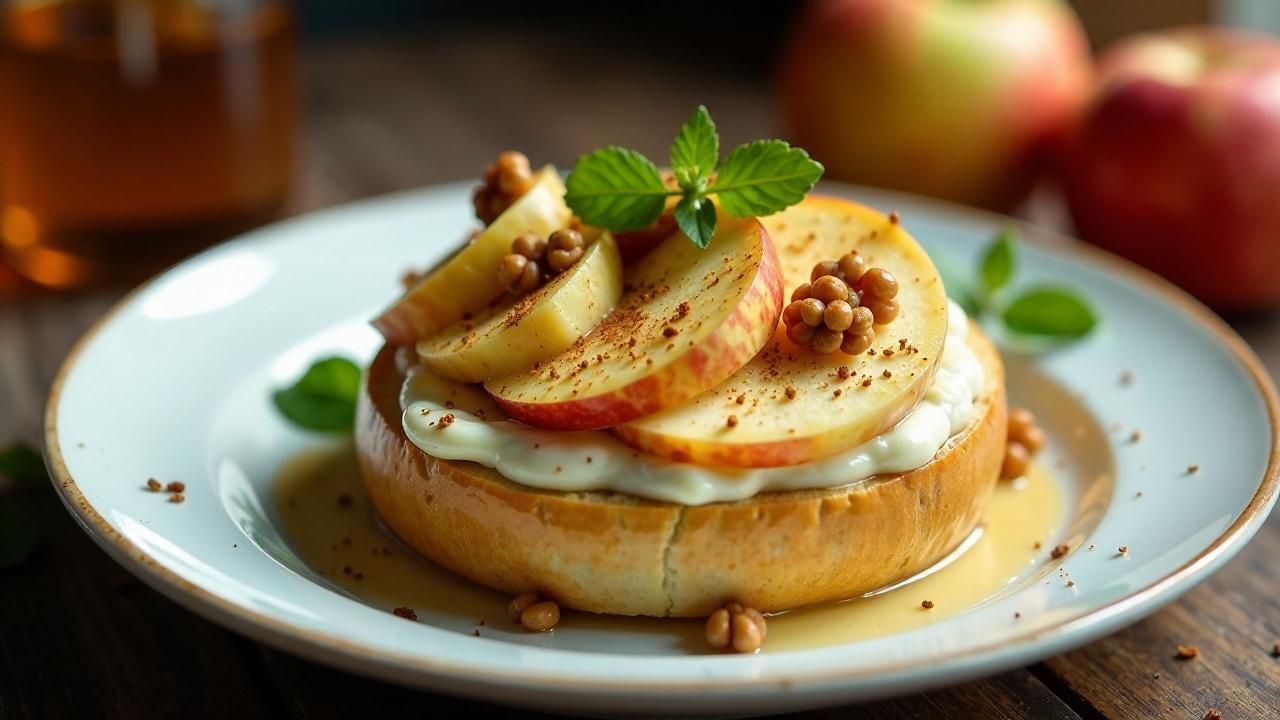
{"points": [[417, 669]]}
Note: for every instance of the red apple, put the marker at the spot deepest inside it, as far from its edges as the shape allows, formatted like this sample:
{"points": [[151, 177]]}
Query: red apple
{"points": [[957, 99], [1176, 162]]}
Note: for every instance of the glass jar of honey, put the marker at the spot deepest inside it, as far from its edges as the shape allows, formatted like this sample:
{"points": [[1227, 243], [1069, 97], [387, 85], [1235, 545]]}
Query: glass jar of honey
{"points": [[133, 132]]}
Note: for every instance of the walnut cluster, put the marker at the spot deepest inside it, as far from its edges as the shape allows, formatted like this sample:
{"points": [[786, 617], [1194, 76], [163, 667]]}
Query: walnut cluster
{"points": [[737, 628], [1025, 440], [502, 184], [838, 307], [533, 260]]}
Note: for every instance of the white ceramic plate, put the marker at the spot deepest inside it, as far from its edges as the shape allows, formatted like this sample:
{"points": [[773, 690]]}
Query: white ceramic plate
{"points": [[175, 382]]}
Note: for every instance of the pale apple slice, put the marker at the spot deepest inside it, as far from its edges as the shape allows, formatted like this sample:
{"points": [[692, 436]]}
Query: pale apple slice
{"points": [[689, 319], [790, 405], [466, 283], [538, 326]]}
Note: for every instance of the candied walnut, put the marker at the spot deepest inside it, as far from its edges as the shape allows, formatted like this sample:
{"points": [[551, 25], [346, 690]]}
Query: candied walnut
{"points": [[737, 628], [1025, 439], [533, 613], [508, 178], [533, 261], [840, 305]]}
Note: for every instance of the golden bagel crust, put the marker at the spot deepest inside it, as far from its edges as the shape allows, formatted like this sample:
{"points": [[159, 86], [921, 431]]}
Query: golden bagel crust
{"points": [[606, 552]]}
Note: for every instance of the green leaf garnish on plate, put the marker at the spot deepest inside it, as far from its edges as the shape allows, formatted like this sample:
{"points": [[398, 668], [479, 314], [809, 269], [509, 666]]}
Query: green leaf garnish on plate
{"points": [[619, 189], [324, 398], [1000, 261], [1050, 311], [1055, 313]]}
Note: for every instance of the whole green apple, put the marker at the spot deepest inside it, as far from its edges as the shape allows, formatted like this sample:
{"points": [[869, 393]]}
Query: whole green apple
{"points": [[1176, 162], [959, 99]]}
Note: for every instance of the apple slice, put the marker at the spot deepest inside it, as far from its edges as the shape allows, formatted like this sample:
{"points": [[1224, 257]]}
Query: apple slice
{"points": [[791, 405], [533, 328], [466, 283], [690, 318]]}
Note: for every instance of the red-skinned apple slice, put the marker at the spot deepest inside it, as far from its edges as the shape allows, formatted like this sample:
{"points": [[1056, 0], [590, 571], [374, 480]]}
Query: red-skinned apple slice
{"points": [[792, 405], [690, 318]]}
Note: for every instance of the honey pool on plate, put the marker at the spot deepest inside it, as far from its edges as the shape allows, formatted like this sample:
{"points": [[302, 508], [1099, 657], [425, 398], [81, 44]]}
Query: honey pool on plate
{"points": [[328, 520]]}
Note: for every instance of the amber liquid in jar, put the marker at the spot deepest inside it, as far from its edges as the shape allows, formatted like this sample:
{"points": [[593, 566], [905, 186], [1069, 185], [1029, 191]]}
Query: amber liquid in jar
{"points": [[133, 132]]}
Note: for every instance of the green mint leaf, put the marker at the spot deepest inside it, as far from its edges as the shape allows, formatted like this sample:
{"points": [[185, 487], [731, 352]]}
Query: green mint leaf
{"points": [[1000, 260], [1050, 311], [615, 189], [697, 219], [18, 533], [696, 150], [763, 177], [324, 398], [22, 464]]}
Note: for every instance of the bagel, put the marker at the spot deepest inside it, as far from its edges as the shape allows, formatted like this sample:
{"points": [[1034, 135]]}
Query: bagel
{"points": [[606, 552]]}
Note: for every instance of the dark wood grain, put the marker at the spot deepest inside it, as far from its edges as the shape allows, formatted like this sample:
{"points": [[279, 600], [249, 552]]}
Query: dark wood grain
{"points": [[79, 637]]}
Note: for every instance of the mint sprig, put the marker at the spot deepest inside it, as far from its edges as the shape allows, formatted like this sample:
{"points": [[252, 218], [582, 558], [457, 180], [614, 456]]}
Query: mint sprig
{"points": [[1044, 311], [619, 189], [324, 398]]}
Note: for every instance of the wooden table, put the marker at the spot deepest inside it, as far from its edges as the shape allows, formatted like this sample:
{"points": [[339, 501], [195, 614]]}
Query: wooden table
{"points": [[80, 637]]}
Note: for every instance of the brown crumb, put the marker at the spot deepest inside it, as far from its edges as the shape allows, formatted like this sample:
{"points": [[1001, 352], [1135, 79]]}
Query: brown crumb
{"points": [[407, 613], [1017, 615], [1135, 436], [866, 382], [1123, 550], [176, 486], [731, 421], [887, 374], [843, 372], [1071, 583], [153, 485], [838, 392], [1212, 714], [1037, 546], [177, 497], [1059, 550], [894, 218], [740, 399], [790, 392], [927, 604], [1193, 469], [1186, 652], [345, 501], [475, 632], [445, 421], [1127, 377]]}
